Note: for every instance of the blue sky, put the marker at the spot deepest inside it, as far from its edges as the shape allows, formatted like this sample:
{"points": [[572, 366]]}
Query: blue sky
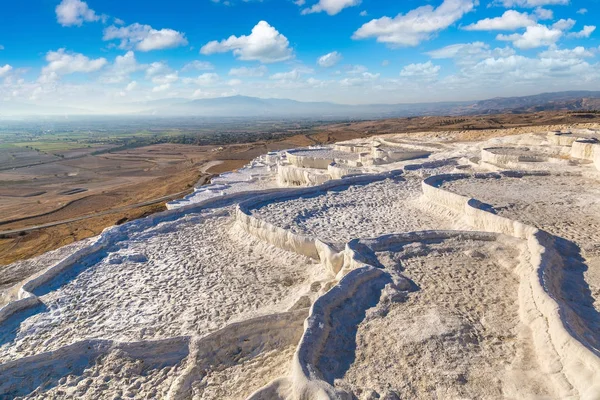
{"points": [[107, 53]]}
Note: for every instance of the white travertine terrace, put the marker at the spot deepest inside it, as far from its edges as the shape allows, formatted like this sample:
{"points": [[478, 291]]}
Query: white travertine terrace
{"points": [[376, 268]]}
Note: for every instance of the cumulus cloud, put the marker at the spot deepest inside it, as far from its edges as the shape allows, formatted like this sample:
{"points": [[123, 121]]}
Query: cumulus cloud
{"points": [[121, 69], [205, 79], [292, 75], [459, 49], [422, 71], [584, 33], [264, 44], [157, 68], [564, 54], [355, 69], [517, 69], [417, 25], [469, 53], [161, 88], [544, 13], [509, 21], [5, 70], [532, 3], [582, 11], [360, 79], [144, 37], [249, 72], [198, 66], [75, 13], [131, 86], [329, 60], [165, 79], [534, 36], [331, 7], [62, 63], [564, 24]]}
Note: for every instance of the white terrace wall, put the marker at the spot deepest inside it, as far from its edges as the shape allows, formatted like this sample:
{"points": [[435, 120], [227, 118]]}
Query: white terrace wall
{"points": [[307, 161], [19, 373], [306, 378], [307, 381], [351, 148], [339, 171], [561, 139], [584, 149], [105, 240], [305, 245], [580, 365], [428, 147], [290, 175], [241, 339]]}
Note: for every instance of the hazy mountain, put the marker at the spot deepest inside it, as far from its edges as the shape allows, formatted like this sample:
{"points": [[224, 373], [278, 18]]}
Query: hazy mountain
{"points": [[11, 108], [573, 100], [244, 106]]}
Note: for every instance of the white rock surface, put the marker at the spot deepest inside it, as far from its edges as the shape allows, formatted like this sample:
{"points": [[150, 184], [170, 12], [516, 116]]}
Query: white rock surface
{"points": [[209, 300]]}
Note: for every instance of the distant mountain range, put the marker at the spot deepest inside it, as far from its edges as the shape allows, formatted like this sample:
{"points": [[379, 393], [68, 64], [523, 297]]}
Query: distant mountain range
{"points": [[243, 106]]}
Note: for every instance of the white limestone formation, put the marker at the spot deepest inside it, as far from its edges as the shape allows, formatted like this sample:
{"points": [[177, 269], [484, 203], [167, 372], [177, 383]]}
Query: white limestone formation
{"points": [[376, 268]]}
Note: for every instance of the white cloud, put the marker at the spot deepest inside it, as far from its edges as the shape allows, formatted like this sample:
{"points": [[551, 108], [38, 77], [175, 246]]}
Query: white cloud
{"points": [[578, 52], [329, 60], [161, 88], [544, 13], [584, 33], [417, 25], [121, 69], [517, 69], [509, 21], [131, 86], [292, 75], [363, 13], [144, 37], [469, 53], [198, 66], [532, 3], [74, 12], [582, 11], [564, 24], [355, 69], [360, 79], [331, 7], [206, 79], [157, 68], [234, 82], [422, 71], [248, 71], [5, 70], [264, 44], [165, 79], [460, 49], [62, 63], [534, 36]]}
